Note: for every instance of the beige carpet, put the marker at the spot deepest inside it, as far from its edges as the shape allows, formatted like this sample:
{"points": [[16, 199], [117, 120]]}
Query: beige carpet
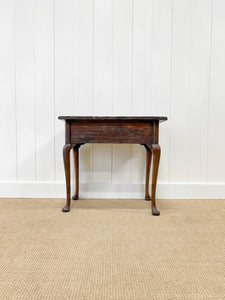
{"points": [[112, 249]]}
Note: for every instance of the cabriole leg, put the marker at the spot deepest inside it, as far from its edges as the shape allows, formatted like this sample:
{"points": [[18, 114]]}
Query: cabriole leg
{"points": [[66, 159], [76, 167], [156, 150], [148, 168]]}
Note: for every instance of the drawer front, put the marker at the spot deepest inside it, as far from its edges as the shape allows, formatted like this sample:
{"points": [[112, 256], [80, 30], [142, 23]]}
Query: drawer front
{"points": [[112, 132]]}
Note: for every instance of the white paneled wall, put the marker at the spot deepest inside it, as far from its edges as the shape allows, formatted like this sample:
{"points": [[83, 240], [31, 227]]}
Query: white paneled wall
{"points": [[112, 57]]}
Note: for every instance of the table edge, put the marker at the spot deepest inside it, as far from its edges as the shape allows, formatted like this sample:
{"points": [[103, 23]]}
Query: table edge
{"points": [[119, 118]]}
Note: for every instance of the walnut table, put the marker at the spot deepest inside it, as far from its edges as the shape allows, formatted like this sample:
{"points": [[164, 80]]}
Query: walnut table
{"points": [[128, 130]]}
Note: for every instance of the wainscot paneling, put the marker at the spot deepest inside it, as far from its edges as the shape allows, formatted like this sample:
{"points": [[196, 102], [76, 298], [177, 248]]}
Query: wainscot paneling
{"points": [[112, 57]]}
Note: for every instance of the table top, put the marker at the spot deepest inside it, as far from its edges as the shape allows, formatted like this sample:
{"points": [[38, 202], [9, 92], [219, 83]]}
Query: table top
{"points": [[110, 118]]}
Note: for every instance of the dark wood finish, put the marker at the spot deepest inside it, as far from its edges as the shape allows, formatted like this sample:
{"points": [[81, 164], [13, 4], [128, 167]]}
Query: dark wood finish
{"points": [[76, 167], [66, 158], [110, 118], [120, 131], [156, 151], [132, 130], [148, 168]]}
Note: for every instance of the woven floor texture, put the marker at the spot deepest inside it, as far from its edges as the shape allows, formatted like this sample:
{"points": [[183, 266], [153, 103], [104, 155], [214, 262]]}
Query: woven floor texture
{"points": [[112, 249]]}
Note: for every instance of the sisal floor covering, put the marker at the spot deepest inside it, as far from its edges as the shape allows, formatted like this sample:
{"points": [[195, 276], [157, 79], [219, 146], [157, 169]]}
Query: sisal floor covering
{"points": [[112, 249]]}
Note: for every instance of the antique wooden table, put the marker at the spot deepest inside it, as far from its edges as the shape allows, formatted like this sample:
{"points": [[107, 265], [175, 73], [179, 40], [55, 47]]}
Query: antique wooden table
{"points": [[129, 130]]}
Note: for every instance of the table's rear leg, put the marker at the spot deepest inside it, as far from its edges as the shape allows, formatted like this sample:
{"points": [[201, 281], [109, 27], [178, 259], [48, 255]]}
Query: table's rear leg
{"points": [[76, 167], [148, 168], [66, 158], [156, 150]]}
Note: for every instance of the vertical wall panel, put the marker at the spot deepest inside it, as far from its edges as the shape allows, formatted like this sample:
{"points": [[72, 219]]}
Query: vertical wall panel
{"points": [[190, 80], [196, 166], [103, 57], [8, 161], [181, 58], [141, 77], [122, 57], [122, 83], [83, 70], [24, 53], [64, 75], [102, 82], [142, 41], [44, 89], [216, 141], [83, 43], [138, 160], [161, 79]]}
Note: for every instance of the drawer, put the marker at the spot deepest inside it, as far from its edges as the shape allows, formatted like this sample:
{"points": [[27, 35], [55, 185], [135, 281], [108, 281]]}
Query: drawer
{"points": [[114, 132]]}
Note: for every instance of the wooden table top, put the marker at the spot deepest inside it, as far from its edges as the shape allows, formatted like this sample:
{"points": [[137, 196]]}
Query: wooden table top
{"points": [[111, 118]]}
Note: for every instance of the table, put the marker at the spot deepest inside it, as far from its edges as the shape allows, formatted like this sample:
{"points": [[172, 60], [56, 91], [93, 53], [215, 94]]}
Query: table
{"points": [[80, 130]]}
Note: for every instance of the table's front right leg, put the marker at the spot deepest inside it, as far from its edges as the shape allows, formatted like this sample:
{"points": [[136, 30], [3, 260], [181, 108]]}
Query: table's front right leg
{"points": [[156, 151], [66, 159]]}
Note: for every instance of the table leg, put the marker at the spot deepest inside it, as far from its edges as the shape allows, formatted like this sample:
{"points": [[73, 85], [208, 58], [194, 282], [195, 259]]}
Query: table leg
{"points": [[148, 167], [66, 158], [156, 150], [76, 167]]}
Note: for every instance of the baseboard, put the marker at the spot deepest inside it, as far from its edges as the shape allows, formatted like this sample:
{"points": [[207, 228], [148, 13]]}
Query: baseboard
{"points": [[119, 191]]}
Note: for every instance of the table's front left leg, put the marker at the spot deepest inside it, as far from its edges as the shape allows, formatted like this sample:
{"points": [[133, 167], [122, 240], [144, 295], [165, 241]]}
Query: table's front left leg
{"points": [[156, 151], [66, 159]]}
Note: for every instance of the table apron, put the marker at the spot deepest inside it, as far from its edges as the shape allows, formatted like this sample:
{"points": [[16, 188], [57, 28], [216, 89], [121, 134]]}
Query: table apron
{"points": [[119, 132]]}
